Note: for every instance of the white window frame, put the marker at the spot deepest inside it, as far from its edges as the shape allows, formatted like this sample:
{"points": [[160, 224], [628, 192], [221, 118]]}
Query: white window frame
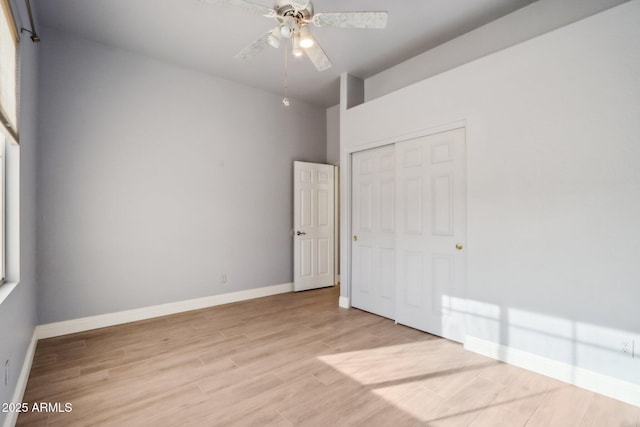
{"points": [[5, 122], [3, 212], [9, 134]]}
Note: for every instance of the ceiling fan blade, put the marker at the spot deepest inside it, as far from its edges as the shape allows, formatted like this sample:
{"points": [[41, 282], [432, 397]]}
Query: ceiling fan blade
{"points": [[350, 19], [249, 6], [300, 6], [317, 56], [254, 48]]}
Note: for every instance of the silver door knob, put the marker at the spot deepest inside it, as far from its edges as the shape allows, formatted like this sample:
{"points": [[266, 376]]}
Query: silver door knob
{"points": [[300, 233]]}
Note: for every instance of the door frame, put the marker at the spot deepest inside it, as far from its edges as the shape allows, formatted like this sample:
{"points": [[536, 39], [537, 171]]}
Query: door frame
{"points": [[298, 279], [346, 231]]}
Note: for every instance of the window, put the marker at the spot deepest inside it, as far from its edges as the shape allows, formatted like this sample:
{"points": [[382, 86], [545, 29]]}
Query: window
{"points": [[8, 106], [8, 70], [2, 212]]}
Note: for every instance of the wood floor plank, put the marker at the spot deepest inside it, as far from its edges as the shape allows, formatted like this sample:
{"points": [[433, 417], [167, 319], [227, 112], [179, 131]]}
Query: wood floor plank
{"points": [[607, 412], [563, 407], [498, 416], [526, 392], [465, 406], [65, 391], [293, 360]]}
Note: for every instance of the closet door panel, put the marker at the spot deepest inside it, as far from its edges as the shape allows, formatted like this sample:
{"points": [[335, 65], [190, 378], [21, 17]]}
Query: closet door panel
{"points": [[373, 225]]}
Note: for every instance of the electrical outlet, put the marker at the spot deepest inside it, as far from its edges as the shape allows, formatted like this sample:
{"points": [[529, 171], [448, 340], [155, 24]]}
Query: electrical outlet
{"points": [[6, 373], [223, 279], [625, 347], [628, 347]]}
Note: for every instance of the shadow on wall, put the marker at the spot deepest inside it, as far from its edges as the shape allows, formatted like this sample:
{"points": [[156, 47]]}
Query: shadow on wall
{"points": [[581, 345]]}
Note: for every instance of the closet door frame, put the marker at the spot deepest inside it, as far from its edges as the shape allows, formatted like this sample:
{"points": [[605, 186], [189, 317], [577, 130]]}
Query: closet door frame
{"points": [[346, 202]]}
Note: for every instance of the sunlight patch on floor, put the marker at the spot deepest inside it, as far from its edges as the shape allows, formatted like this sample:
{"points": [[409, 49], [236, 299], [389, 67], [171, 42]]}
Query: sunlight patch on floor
{"points": [[400, 362], [439, 382]]}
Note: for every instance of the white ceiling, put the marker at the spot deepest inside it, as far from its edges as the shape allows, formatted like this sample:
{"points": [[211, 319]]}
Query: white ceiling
{"points": [[206, 37]]}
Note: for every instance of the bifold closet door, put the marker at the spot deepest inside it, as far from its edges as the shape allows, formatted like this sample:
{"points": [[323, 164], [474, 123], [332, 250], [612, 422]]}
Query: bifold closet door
{"points": [[374, 232], [431, 232]]}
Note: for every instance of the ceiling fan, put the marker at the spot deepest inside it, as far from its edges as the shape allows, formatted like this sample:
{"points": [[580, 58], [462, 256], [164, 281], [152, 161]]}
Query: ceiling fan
{"points": [[293, 20]]}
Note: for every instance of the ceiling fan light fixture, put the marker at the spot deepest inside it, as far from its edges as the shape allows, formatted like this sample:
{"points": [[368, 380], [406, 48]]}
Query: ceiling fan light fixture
{"points": [[285, 31], [288, 27], [274, 38], [297, 49], [306, 41]]}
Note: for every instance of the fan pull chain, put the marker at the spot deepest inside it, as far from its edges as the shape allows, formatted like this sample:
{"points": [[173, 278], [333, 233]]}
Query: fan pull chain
{"points": [[285, 100]]}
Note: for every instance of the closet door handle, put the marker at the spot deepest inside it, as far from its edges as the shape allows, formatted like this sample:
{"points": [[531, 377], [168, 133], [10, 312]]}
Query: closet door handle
{"points": [[300, 233]]}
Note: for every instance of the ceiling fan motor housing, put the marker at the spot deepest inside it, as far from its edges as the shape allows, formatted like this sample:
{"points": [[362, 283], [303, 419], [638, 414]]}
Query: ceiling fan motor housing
{"points": [[300, 11]]}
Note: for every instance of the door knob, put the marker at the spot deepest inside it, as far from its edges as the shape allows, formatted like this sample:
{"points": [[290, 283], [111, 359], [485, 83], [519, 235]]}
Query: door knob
{"points": [[459, 246], [355, 238], [300, 233]]}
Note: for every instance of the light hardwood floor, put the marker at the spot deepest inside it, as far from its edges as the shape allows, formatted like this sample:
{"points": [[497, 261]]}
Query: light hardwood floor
{"points": [[294, 359]]}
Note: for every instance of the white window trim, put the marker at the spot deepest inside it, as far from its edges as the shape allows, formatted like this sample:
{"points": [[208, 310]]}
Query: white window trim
{"points": [[3, 212], [8, 285], [12, 129]]}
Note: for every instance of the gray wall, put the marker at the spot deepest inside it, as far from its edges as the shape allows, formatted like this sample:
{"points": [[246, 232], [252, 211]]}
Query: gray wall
{"points": [[530, 21], [553, 186], [18, 311], [155, 180], [333, 135]]}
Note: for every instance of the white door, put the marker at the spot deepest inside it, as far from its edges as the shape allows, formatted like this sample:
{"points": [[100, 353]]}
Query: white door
{"points": [[431, 233], [373, 227], [313, 226]]}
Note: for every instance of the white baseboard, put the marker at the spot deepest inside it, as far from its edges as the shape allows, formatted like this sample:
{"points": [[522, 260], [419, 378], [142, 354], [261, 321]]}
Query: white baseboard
{"points": [[344, 302], [21, 384], [593, 381], [101, 321]]}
